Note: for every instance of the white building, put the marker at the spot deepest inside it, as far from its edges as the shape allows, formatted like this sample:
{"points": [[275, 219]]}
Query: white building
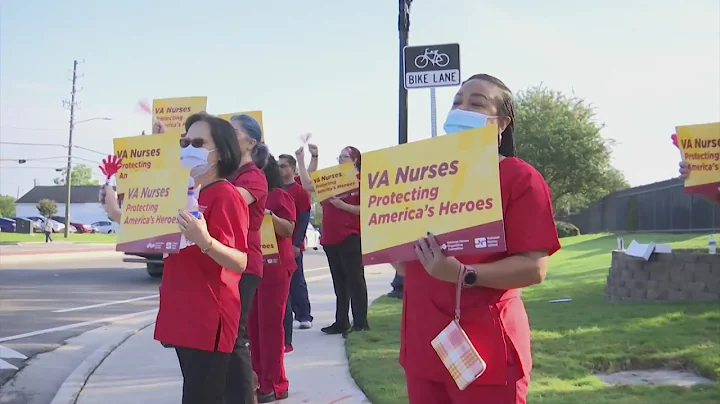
{"points": [[84, 205]]}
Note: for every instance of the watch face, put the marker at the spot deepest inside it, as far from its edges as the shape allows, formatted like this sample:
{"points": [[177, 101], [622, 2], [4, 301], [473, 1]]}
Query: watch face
{"points": [[470, 278]]}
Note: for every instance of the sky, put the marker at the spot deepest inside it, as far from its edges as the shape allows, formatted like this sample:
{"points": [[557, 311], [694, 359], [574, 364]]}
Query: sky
{"points": [[331, 69]]}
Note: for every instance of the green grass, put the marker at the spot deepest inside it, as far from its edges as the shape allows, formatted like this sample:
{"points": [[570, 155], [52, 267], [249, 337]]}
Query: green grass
{"points": [[571, 341], [57, 237]]}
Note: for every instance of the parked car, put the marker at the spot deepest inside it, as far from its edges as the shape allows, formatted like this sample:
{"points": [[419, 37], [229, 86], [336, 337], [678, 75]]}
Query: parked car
{"points": [[79, 227], [104, 227], [7, 225], [312, 237]]}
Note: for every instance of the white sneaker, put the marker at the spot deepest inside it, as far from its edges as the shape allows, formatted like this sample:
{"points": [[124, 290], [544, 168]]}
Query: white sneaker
{"points": [[305, 325]]}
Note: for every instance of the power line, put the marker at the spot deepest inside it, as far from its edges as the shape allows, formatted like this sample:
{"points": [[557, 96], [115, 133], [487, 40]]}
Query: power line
{"points": [[53, 158], [18, 128], [91, 150], [35, 144], [55, 145], [31, 167]]}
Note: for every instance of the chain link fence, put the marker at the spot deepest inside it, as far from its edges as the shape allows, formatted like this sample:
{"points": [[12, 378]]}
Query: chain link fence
{"points": [[659, 207]]}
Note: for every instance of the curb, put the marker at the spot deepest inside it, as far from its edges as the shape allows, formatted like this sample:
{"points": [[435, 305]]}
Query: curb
{"points": [[70, 390]]}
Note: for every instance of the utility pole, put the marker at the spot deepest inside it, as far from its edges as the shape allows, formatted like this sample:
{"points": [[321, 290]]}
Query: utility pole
{"points": [[403, 34], [68, 182]]}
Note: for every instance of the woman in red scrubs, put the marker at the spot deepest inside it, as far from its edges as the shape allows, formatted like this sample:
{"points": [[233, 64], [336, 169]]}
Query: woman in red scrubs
{"points": [[265, 325], [493, 315], [252, 185], [340, 237], [199, 299]]}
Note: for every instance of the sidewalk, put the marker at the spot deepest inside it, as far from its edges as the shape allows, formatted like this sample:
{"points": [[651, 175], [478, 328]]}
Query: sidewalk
{"points": [[21, 253], [141, 371]]}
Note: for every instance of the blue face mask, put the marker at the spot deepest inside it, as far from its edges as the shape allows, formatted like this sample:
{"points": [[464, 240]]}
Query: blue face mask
{"points": [[459, 120]]}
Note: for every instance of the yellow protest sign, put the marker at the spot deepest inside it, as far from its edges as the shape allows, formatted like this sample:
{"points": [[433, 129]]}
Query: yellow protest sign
{"points": [[257, 115], [150, 202], [173, 112], [143, 153], [700, 148], [335, 181], [448, 185], [268, 241]]}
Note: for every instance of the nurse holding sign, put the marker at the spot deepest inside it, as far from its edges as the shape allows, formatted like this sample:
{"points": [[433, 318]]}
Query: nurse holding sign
{"points": [[468, 306]]}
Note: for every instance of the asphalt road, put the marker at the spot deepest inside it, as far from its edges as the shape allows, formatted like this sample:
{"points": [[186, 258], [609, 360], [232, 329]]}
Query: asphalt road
{"points": [[44, 304]]}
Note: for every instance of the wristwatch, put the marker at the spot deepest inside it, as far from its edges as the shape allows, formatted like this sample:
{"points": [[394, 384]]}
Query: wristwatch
{"points": [[469, 277]]}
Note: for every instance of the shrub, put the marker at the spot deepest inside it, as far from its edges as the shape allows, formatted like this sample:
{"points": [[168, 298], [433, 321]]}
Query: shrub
{"points": [[565, 229]]}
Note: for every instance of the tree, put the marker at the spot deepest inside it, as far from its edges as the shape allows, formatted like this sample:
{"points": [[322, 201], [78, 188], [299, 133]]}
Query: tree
{"points": [[317, 215], [47, 208], [7, 206], [560, 137], [79, 175]]}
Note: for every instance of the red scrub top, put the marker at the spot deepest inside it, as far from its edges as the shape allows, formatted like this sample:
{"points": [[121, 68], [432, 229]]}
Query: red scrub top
{"points": [[301, 197], [253, 180], [283, 206], [197, 295], [338, 224], [494, 320]]}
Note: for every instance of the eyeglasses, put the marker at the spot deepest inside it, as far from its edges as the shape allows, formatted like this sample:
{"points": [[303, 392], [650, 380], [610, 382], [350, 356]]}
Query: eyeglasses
{"points": [[196, 143]]}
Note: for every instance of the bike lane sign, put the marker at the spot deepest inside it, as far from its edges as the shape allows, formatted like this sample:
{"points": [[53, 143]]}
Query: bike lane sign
{"points": [[431, 66]]}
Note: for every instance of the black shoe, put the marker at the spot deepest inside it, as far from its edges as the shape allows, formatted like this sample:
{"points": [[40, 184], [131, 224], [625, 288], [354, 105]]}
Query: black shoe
{"points": [[270, 397], [397, 294], [356, 329], [335, 329]]}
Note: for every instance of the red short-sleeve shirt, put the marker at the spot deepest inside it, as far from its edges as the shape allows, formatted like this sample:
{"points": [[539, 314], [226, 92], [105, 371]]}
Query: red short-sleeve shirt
{"points": [[283, 206], [302, 204], [253, 180], [197, 295], [338, 224], [494, 320]]}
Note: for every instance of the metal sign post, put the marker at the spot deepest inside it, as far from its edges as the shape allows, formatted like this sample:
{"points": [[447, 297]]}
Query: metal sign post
{"points": [[432, 66], [433, 113]]}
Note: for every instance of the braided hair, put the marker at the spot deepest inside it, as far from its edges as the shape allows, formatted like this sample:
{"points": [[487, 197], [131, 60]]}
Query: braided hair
{"points": [[505, 107]]}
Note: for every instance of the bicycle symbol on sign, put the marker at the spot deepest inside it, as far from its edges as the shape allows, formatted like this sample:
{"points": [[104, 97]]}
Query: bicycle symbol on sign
{"points": [[433, 57]]}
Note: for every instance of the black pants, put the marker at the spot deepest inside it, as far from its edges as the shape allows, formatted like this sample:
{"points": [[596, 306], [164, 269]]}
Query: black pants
{"points": [[48, 236], [348, 275], [397, 283], [204, 375], [239, 388]]}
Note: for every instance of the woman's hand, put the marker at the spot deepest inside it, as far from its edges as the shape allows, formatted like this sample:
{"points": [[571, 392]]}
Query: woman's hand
{"points": [[109, 201], [433, 259], [684, 170], [313, 149], [194, 229], [158, 127], [300, 153], [337, 202]]}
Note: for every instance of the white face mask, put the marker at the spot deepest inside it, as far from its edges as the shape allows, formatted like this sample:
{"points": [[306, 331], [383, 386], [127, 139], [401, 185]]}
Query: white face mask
{"points": [[196, 158]]}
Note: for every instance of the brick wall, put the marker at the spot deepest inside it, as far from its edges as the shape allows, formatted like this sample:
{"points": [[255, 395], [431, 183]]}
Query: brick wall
{"points": [[679, 276]]}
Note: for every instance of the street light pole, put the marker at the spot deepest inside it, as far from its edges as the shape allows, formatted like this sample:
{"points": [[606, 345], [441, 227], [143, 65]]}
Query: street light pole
{"points": [[403, 34], [68, 177]]}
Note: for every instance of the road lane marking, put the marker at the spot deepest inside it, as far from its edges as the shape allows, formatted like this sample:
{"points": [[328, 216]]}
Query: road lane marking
{"points": [[314, 269], [77, 325], [7, 353], [92, 306]]}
